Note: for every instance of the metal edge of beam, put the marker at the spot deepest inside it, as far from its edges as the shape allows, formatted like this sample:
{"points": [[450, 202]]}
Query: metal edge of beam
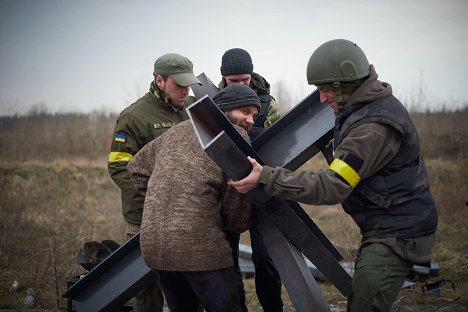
{"points": [[207, 87], [114, 281], [299, 211], [208, 121], [309, 116], [292, 268], [247, 267], [281, 214], [298, 136], [89, 278], [223, 145]]}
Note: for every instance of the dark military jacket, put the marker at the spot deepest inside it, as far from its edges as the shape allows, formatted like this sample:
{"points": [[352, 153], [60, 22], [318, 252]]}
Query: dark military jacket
{"points": [[396, 200], [375, 158]]}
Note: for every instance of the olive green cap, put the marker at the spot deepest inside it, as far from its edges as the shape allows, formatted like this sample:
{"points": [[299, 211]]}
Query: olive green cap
{"points": [[176, 66], [337, 60]]}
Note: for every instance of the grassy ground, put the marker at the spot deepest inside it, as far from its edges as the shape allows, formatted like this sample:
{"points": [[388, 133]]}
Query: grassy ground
{"points": [[55, 195]]}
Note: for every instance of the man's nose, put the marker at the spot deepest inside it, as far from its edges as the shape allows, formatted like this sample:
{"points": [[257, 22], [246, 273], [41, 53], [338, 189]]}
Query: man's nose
{"points": [[185, 90], [250, 119], [323, 97]]}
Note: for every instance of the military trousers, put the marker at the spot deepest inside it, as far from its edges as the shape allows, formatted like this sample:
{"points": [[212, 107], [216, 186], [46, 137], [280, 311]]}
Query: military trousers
{"points": [[378, 276], [233, 239]]}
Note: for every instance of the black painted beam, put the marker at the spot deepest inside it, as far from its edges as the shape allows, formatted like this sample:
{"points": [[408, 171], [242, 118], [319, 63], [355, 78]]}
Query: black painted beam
{"points": [[123, 274], [227, 147], [112, 282], [291, 266], [209, 122], [207, 87], [298, 135], [225, 153]]}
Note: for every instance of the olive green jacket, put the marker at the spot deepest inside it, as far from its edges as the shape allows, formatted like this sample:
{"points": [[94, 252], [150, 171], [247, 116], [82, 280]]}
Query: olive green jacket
{"points": [[137, 125]]}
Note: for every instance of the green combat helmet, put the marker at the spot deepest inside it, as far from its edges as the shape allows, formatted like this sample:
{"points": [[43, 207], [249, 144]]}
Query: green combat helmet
{"points": [[335, 62]]}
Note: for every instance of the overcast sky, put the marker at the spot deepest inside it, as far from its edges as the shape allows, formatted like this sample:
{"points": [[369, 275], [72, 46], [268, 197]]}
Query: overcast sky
{"points": [[81, 56]]}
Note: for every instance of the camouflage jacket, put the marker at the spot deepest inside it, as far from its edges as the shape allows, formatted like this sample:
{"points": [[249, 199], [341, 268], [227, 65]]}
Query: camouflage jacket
{"points": [[137, 125]]}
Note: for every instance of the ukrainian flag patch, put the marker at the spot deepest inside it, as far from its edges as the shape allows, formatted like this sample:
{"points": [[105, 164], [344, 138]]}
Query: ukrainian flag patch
{"points": [[120, 138]]}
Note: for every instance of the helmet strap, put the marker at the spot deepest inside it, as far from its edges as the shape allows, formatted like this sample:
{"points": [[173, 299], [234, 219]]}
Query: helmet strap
{"points": [[339, 95]]}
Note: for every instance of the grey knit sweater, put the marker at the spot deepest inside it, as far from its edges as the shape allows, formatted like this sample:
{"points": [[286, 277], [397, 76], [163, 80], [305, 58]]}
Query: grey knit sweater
{"points": [[187, 204]]}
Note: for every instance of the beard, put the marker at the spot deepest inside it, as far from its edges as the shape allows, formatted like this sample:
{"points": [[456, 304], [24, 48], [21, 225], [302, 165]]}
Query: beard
{"points": [[240, 123]]}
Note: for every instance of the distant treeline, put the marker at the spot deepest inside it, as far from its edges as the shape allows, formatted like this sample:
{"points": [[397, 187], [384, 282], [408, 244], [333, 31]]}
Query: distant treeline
{"points": [[48, 137]]}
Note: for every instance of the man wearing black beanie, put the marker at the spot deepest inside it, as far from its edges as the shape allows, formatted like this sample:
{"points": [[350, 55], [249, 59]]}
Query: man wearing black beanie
{"points": [[237, 68]]}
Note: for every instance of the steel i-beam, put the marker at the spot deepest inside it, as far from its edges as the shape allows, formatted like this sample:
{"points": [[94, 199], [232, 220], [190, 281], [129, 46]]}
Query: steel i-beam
{"points": [[220, 140], [123, 274], [112, 282], [207, 87]]}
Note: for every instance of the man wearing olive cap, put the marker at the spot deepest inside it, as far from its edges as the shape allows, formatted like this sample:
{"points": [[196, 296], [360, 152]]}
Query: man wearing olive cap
{"points": [[138, 124]]}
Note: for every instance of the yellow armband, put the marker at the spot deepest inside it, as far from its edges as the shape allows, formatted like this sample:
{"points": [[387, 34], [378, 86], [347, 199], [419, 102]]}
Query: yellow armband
{"points": [[119, 156], [345, 171]]}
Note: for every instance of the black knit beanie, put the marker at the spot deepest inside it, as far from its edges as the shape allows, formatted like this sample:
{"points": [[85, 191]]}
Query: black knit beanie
{"points": [[236, 61], [236, 95]]}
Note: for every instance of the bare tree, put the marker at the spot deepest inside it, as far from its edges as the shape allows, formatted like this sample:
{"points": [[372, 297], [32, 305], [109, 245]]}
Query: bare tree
{"points": [[283, 97], [8, 108]]}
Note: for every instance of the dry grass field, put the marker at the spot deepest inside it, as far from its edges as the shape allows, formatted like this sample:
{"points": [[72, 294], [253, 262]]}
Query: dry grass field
{"points": [[56, 194]]}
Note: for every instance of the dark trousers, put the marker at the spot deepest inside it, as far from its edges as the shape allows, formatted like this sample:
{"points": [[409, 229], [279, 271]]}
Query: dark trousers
{"points": [[216, 290], [234, 239], [267, 280]]}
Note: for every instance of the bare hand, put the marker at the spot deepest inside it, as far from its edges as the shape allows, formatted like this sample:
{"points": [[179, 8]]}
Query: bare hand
{"points": [[251, 181]]}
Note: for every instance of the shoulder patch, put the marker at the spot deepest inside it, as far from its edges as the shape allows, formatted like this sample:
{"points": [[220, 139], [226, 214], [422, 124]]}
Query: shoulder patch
{"points": [[119, 138]]}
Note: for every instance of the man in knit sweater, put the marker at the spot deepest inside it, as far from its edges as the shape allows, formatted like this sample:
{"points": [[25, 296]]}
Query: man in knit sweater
{"points": [[188, 205]]}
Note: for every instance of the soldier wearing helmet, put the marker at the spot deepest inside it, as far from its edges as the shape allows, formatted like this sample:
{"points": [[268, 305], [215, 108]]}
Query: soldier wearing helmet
{"points": [[376, 172]]}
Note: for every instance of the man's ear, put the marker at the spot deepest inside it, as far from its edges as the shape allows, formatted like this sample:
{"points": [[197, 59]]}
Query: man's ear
{"points": [[158, 80]]}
